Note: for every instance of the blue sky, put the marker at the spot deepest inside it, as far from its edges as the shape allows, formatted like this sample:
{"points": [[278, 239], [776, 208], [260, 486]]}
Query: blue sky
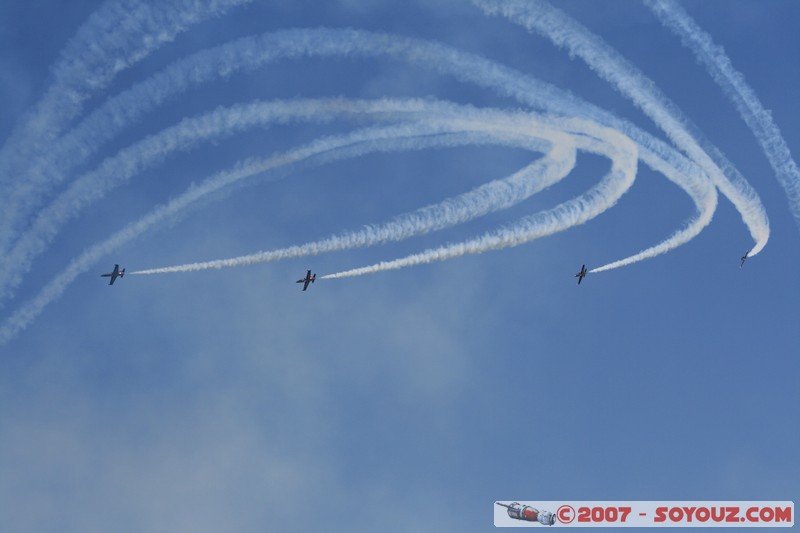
{"points": [[412, 399]]}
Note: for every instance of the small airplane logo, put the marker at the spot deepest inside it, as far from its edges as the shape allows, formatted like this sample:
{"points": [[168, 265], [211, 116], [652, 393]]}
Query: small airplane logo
{"points": [[308, 279], [582, 274], [114, 274], [744, 258]]}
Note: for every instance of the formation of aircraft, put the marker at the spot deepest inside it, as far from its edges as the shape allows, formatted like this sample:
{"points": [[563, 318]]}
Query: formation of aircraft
{"points": [[117, 273], [114, 274], [582, 274], [744, 258], [306, 280]]}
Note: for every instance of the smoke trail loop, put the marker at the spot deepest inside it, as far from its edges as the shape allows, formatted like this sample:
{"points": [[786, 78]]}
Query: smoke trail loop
{"points": [[541, 17]]}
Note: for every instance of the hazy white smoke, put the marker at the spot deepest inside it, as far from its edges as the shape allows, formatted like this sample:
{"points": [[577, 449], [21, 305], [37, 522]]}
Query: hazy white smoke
{"points": [[571, 213], [417, 124], [541, 17], [119, 34], [224, 121], [734, 86]]}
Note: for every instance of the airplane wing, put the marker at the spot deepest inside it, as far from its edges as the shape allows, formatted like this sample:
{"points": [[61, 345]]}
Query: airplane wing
{"points": [[114, 274], [306, 280]]}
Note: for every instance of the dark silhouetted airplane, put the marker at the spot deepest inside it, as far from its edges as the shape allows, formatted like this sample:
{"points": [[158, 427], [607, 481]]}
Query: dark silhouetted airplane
{"points": [[114, 274], [306, 280], [582, 274]]}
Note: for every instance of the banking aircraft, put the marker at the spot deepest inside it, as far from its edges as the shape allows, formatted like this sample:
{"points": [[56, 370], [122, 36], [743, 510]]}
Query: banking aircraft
{"points": [[114, 274], [582, 274], [306, 280], [744, 258]]}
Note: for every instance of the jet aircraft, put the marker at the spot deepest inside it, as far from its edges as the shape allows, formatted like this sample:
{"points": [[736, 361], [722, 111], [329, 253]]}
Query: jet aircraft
{"points": [[306, 280], [744, 258], [582, 274], [114, 274]]}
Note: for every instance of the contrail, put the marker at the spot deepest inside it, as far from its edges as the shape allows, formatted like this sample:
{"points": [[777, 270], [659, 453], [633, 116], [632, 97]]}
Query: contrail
{"points": [[319, 152], [465, 67], [733, 84], [183, 136], [568, 214], [705, 198], [493, 196], [116, 36], [252, 52], [541, 17], [328, 149]]}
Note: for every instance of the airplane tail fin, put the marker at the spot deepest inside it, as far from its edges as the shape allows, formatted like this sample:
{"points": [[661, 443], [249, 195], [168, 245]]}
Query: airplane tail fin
{"points": [[314, 277], [122, 272]]}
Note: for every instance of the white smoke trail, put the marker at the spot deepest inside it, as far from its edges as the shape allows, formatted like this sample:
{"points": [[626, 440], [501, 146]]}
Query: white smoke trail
{"points": [[253, 52], [318, 152], [733, 84], [493, 196], [487, 198], [568, 214], [597, 139], [705, 198], [352, 145], [465, 67], [115, 37], [153, 149], [433, 54], [565, 32]]}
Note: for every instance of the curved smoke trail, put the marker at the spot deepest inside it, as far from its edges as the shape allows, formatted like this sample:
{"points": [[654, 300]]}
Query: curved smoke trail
{"points": [[568, 214], [541, 17], [490, 197], [522, 129], [249, 53], [118, 35], [47, 159], [224, 121], [318, 152], [493, 196], [734, 86]]}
